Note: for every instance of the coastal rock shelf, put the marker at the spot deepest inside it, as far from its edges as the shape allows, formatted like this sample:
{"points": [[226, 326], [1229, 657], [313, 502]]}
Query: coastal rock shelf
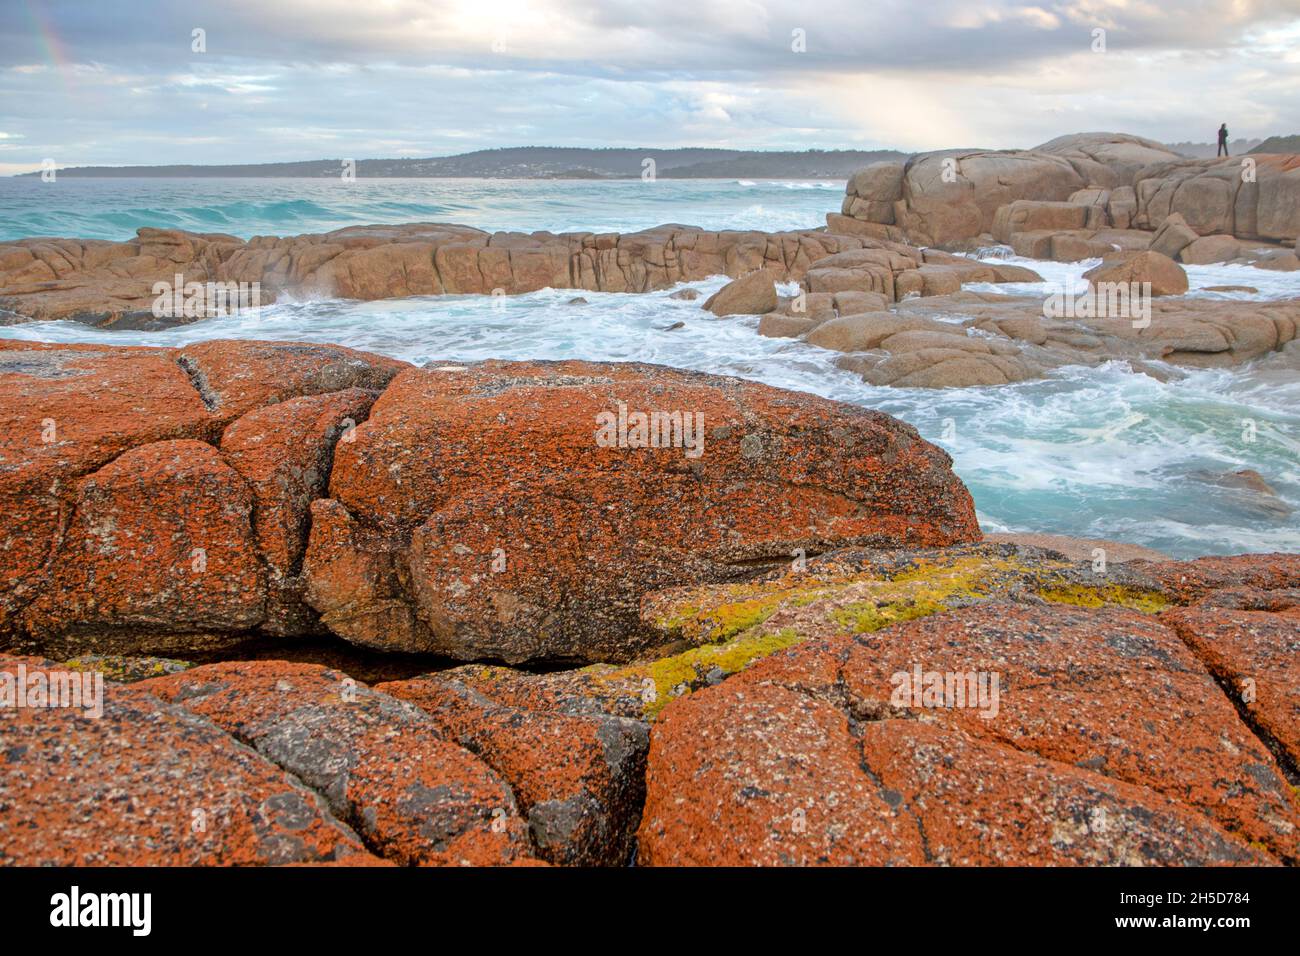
{"points": [[777, 736], [113, 283]]}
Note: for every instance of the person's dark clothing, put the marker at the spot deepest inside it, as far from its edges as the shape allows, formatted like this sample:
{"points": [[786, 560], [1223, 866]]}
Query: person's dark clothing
{"points": [[1223, 141]]}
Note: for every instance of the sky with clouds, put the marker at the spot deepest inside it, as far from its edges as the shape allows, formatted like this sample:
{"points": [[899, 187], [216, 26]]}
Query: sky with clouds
{"points": [[90, 82]]}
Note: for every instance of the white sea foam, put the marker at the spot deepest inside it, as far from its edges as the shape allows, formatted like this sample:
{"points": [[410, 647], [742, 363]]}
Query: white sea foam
{"points": [[1069, 276]]}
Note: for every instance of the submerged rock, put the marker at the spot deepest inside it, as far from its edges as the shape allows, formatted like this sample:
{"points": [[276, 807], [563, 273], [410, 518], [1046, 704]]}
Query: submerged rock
{"points": [[1248, 491]]}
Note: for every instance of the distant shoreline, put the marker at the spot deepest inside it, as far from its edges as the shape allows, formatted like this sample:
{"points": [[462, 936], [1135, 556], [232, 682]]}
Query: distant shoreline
{"points": [[577, 164], [530, 162]]}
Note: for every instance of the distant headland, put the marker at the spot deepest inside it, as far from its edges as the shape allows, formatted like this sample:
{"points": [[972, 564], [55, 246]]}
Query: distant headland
{"points": [[541, 162]]}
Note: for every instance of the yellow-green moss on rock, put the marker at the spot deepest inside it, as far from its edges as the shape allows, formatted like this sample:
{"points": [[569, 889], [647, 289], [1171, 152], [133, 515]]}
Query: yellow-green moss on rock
{"points": [[124, 668], [1108, 595], [673, 676], [724, 611], [728, 627]]}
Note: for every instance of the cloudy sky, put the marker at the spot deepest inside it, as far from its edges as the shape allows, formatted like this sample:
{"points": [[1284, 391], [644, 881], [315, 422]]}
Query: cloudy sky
{"points": [[92, 82]]}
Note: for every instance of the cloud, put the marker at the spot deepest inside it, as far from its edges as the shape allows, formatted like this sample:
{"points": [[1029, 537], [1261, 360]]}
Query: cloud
{"points": [[108, 83]]}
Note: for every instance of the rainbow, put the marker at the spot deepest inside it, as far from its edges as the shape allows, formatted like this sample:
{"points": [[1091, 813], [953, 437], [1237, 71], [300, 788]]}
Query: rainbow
{"points": [[51, 47]]}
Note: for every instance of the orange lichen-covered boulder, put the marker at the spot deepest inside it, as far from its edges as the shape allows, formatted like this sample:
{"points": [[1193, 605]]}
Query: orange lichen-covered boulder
{"points": [[982, 804], [145, 784], [520, 510], [234, 377], [285, 451], [378, 762], [1103, 740], [65, 411], [158, 555], [1069, 682], [762, 777], [579, 777]]}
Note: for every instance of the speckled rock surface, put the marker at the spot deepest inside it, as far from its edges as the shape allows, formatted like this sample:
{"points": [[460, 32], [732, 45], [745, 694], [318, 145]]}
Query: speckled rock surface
{"points": [[158, 554], [1256, 656], [66, 411], [1069, 681], [177, 520], [149, 783], [379, 763], [78, 422], [579, 778], [285, 452]]}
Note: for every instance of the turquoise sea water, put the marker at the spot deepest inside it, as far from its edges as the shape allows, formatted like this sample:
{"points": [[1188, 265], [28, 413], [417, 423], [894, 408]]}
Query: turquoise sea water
{"points": [[115, 208], [1091, 452]]}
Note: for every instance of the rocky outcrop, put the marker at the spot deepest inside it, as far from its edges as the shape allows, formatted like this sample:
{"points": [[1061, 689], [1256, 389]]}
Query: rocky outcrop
{"points": [[776, 731], [112, 285], [969, 338], [1256, 197], [950, 195], [1110, 161], [197, 500], [1083, 181]]}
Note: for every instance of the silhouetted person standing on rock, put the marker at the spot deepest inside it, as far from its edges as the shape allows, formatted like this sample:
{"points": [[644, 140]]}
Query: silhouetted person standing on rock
{"points": [[1223, 140]]}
